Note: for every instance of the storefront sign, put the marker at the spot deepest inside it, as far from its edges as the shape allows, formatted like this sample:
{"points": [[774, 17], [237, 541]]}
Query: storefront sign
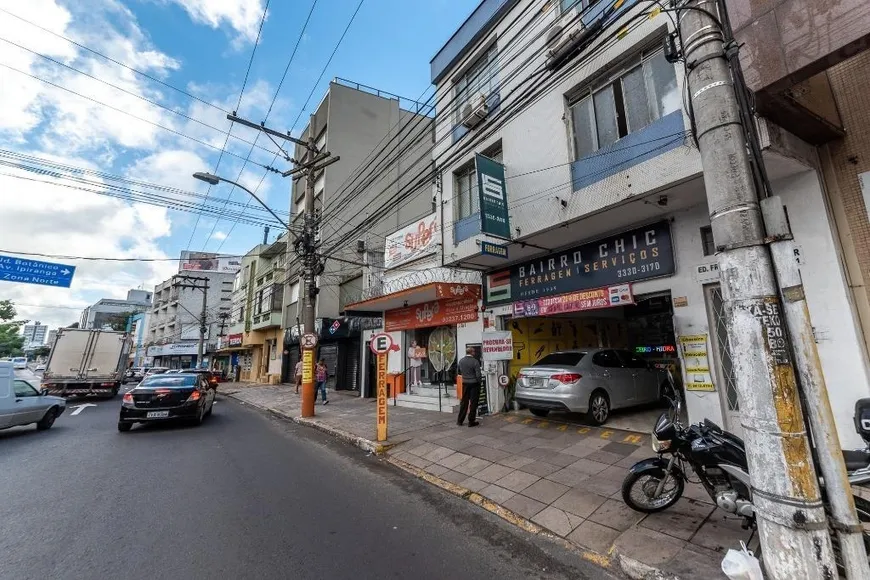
{"points": [[497, 250], [176, 349], [435, 313], [235, 339], [695, 363], [444, 290], [308, 367], [707, 272], [494, 218], [411, 242], [575, 301], [638, 254], [497, 345]]}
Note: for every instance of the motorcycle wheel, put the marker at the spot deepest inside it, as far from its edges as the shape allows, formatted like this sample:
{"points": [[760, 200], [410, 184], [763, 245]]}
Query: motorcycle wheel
{"points": [[862, 507], [639, 488]]}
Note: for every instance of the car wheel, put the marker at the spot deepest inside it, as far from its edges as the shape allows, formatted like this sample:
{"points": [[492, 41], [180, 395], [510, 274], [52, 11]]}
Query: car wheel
{"points": [[124, 426], [47, 420], [200, 416], [599, 408], [540, 412]]}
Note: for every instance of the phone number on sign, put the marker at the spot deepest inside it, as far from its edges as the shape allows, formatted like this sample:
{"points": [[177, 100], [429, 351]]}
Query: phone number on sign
{"points": [[635, 270]]}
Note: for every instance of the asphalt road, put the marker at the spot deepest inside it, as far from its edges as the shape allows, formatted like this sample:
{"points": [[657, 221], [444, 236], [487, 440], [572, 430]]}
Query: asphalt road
{"points": [[243, 496]]}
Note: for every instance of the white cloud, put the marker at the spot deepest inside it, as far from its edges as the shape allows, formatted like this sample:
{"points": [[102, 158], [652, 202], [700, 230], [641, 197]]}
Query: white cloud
{"points": [[242, 15], [219, 236]]}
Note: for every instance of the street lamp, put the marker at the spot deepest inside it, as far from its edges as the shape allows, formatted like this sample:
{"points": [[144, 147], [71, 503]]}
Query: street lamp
{"points": [[212, 179]]}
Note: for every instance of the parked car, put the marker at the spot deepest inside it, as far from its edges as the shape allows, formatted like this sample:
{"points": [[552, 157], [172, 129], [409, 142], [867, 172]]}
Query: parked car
{"points": [[20, 362], [22, 404], [212, 377], [155, 371], [39, 368], [593, 381], [166, 397]]}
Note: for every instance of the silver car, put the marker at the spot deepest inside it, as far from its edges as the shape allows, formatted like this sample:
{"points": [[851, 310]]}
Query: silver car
{"points": [[592, 381], [22, 404]]}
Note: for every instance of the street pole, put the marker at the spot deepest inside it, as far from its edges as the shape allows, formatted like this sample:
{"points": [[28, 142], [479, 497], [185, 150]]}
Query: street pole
{"points": [[790, 514], [203, 327], [315, 160]]}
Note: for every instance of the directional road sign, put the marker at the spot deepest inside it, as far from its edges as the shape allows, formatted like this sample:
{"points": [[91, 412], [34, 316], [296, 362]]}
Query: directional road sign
{"points": [[26, 271]]}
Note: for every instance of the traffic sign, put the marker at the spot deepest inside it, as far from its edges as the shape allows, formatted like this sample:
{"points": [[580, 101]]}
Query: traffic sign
{"points": [[503, 380], [309, 340], [381, 343], [26, 271]]}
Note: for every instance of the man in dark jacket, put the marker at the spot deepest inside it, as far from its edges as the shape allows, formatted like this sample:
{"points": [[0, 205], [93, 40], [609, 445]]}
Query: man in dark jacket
{"points": [[469, 369]]}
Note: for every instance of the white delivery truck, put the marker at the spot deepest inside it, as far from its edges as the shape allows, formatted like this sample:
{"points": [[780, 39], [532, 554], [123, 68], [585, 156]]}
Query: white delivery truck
{"points": [[86, 362]]}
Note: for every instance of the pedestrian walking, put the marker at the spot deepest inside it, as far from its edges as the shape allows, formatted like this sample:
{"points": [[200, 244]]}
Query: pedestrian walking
{"points": [[320, 376], [469, 369], [298, 375]]}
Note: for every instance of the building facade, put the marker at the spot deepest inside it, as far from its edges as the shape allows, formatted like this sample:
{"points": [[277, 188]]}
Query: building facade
{"points": [[113, 313], [595, 229], [174, 324], [34, 335]]}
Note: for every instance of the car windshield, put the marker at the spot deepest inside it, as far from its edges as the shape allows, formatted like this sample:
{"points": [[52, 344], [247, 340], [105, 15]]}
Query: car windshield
{"points": [[560, 358], [170, 381]]}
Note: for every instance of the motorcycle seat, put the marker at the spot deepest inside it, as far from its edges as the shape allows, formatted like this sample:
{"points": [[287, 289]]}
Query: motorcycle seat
{"points": [[856, 459]]}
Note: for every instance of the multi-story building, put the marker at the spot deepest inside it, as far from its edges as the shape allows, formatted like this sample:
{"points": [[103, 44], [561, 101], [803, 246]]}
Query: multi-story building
{"points": [[139, 331], [254, 337], [593, 188], [174, 325], [52, 335], [110, 312], [34, 335], [381, 183]]}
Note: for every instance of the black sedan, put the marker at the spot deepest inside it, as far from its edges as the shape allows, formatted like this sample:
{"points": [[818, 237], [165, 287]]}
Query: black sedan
{"points": [[186, 396]]}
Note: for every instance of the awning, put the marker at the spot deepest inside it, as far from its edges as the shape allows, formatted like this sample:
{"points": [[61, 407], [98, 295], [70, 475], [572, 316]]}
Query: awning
{"points": [[416, 295]]}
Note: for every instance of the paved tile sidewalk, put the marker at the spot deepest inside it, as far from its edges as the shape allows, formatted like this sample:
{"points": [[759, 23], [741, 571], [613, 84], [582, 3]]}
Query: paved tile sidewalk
{"points": [[564, 478]]}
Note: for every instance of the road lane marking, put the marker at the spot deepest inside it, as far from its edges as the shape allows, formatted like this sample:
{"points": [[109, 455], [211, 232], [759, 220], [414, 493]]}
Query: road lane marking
{"points": [[80, 408]]}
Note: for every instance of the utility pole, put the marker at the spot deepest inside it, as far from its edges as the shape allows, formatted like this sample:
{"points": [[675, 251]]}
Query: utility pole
{"points": [[203, 326], [789, 510], [306, 245]]}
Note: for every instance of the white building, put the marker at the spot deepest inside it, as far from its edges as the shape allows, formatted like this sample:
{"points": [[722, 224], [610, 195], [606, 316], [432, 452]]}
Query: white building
{"points": [[34, 335], [605, 193], [107, 310]]}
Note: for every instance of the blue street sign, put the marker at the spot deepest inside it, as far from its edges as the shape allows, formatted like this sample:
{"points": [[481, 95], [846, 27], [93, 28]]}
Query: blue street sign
{"points": [[490, 249], [26, 271]]}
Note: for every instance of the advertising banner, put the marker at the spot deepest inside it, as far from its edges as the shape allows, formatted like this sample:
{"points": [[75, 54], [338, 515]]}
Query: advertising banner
{"points": [[435, 313], [695, 363], [497, 345], [638, 254], [414, 241], [235, 339], [209, 262], [594, 299], [494, 218]]}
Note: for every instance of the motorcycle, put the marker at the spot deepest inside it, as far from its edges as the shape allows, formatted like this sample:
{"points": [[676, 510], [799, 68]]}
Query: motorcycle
{"points": [[718, 459]]}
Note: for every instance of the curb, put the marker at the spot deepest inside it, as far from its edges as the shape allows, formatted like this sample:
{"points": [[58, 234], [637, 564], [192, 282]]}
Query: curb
{"points": [[613, 560]]}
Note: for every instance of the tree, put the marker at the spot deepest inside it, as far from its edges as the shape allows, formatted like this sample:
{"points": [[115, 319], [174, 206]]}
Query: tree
{"points": [[41, 351], [10, 340]]}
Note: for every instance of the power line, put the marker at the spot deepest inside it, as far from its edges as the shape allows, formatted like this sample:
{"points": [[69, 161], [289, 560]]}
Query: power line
{"points": [[301, 110], [227, 139], [257, 136], [116, 109]]}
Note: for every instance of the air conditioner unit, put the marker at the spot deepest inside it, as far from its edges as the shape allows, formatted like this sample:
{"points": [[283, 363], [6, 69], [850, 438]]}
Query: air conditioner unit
{"points": [[563, 32], [475, 112]]}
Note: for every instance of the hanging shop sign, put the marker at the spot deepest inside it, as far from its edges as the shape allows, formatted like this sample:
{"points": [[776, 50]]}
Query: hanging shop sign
{"points": [[497, 345], [434, 313], [695, 363], [491, 249], [494, 218], [411, 242], [638, 254], [235, 339], [175, 349], [595, 299]]}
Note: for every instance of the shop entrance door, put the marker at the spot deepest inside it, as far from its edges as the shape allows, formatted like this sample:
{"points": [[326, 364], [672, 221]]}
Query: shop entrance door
{"points": [[722, 357]]}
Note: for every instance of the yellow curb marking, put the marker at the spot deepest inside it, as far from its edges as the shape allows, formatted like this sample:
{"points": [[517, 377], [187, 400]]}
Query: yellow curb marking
{"points": [[583, 430], [562, 428], [544, 425], [606, 434], [510, 419], [632, 439], [528, 421], [602, 561]]}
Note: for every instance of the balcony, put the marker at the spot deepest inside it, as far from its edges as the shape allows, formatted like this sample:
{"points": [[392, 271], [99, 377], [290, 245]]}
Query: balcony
{"points": [[266, 320]]}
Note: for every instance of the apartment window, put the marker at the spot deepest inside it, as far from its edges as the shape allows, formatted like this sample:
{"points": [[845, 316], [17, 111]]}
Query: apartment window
{"points": [[467, 198], [479, 79], [707, 243], [625, 104]]}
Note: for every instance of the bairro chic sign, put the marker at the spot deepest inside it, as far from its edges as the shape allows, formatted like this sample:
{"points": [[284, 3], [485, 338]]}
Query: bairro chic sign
{"points": [[414, 241], [634, 255]]}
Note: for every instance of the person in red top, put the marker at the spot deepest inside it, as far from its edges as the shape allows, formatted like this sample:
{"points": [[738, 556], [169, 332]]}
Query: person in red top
{"points": [[320, 376]]}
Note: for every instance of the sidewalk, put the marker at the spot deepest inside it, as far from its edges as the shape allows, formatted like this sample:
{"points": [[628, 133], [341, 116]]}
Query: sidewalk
{"points": [[548, 477]]}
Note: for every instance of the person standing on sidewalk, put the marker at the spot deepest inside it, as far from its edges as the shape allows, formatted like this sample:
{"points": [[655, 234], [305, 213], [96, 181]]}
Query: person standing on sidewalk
{"points": [[298, 375], [469, 369], [320, 376]]}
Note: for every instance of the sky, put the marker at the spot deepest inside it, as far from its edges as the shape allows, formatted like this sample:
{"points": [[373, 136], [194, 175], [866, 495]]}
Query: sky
{"points": [[126, 125]]}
